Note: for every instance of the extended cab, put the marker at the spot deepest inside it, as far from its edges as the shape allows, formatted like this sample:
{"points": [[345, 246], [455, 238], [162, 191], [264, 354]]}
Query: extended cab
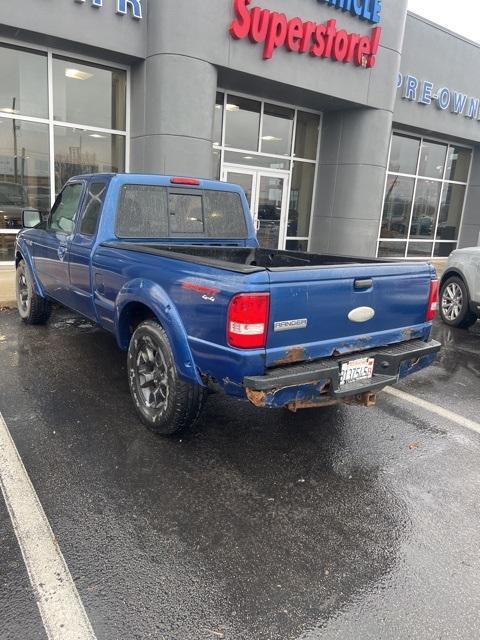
{"points": [[172, 267]]}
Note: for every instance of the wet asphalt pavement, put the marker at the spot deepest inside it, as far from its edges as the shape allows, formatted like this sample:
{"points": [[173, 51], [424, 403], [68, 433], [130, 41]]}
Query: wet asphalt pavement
{"points": [[341, 523]]}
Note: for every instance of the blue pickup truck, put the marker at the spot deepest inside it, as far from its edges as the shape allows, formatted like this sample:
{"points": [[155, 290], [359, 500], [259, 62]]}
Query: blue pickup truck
{"points": [[171, 266]]}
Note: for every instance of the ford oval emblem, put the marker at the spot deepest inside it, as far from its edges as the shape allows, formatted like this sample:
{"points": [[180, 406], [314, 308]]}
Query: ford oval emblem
{"points": [[361, 314]]}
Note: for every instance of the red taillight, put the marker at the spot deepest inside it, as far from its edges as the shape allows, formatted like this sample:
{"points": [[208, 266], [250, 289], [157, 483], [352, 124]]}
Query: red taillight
{"points": [[188, 181], [432, 301], [247, 322]]}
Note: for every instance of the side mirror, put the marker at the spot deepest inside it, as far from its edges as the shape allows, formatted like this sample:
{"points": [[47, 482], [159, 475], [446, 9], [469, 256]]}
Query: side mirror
{"points": [[31, 218]]}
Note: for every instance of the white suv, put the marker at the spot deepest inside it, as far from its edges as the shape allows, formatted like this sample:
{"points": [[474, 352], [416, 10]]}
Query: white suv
{"points": [[460, 288]]}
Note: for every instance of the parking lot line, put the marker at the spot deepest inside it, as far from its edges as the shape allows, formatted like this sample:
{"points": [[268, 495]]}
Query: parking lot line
{"points": [[433, 408], [61, 609]]}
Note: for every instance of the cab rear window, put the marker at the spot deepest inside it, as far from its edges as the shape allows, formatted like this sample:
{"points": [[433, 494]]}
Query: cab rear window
{"points": [[147, 211]]}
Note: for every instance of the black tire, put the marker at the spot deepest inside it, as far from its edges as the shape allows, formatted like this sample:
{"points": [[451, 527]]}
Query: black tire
{"points": [[32, 308], [455, 304], [166, 404]]}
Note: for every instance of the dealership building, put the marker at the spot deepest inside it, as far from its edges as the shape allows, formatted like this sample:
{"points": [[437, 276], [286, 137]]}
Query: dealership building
{"points": [[352, 125]]}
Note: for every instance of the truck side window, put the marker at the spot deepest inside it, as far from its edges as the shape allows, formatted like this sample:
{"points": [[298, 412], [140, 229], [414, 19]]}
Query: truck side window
{"points": [[93, 206], [65, 208]]}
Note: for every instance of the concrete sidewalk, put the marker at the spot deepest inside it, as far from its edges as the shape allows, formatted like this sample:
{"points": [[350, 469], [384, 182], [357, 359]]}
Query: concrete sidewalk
{"points": [[7, 287]]}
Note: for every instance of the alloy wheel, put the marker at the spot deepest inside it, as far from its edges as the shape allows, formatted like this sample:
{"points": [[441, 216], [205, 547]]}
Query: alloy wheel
{"points": [[152, 374], [452, 302]]}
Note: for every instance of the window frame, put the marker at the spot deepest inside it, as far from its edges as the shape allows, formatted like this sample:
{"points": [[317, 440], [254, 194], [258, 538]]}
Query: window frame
{"points": [[291, 158], [52, 52], [416, 177]]}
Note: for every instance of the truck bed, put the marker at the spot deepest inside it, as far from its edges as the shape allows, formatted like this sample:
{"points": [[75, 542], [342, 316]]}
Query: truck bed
{"points": [[244, 260]]}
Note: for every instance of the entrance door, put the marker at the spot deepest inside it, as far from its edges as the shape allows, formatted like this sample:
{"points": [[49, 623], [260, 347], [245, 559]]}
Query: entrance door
{"points": [[267, 195]]}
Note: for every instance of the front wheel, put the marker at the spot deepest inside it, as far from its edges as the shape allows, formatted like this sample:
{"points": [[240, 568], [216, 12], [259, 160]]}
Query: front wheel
{"points": [[166, 404], [32, 308], [455, 304]]}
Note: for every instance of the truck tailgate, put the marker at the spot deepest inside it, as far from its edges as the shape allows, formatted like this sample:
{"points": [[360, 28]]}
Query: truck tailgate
{"points": [[310, 308]]}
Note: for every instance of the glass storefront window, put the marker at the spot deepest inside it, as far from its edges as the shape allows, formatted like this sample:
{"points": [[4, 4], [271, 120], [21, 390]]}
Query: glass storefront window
{"points": [[458, 164], [266, 153], [419, 249], [444, 249], [24, 170], [432, 159], [88, 95], [404, 154], [453, 198], [217, 135], [425, 209], [23, 86], [78, 152], [297, 245], [277, 130], [301, 198], [398, 207], [392, 249], [306, 137], [252, 160], [75, 84], [439, 187], [242, 126]]}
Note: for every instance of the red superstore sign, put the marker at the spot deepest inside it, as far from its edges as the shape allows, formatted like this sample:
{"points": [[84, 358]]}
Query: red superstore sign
{"points": [[320, 40]]}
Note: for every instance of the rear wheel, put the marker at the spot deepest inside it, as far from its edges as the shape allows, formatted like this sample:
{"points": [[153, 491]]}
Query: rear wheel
{"points": [[32, 308], [455, 304], [166, 404]]}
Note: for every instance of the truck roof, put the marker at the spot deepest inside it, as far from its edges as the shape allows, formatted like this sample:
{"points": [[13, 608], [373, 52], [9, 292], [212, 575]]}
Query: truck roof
{"points": [[163, 180]]}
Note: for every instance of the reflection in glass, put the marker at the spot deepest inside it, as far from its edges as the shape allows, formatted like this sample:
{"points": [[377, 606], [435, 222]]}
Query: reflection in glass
{"points": [[297, 245], [404, 154], [78, 152], [425, 209], [458, 164], [444, 249], [277, 130], [242, 123], [392, 249], [243, 180], [89, 95], [7, 247], [270, 195], [251, 160], [453, 197], [23, 86], [419, 249], [432, 159], [397, 207], [301, 198], [24, 170], [306, 137]]}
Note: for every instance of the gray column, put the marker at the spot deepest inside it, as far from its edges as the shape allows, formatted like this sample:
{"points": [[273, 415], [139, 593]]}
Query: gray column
{"points": [[172, 130], [351, 181]]}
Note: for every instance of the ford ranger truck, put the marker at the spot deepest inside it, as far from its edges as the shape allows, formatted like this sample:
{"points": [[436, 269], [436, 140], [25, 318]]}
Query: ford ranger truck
{"points": [[171, 266]]}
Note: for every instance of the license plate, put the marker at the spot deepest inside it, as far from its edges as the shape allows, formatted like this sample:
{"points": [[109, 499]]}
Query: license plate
{"points": [[361, 369]]}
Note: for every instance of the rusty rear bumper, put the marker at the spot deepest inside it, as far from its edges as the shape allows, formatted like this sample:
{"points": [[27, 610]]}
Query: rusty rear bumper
{"points": [[318, 383]]}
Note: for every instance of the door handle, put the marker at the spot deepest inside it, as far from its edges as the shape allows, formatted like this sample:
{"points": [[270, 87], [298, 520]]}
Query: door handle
{"points": [[361, 285], [62, 250]]}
